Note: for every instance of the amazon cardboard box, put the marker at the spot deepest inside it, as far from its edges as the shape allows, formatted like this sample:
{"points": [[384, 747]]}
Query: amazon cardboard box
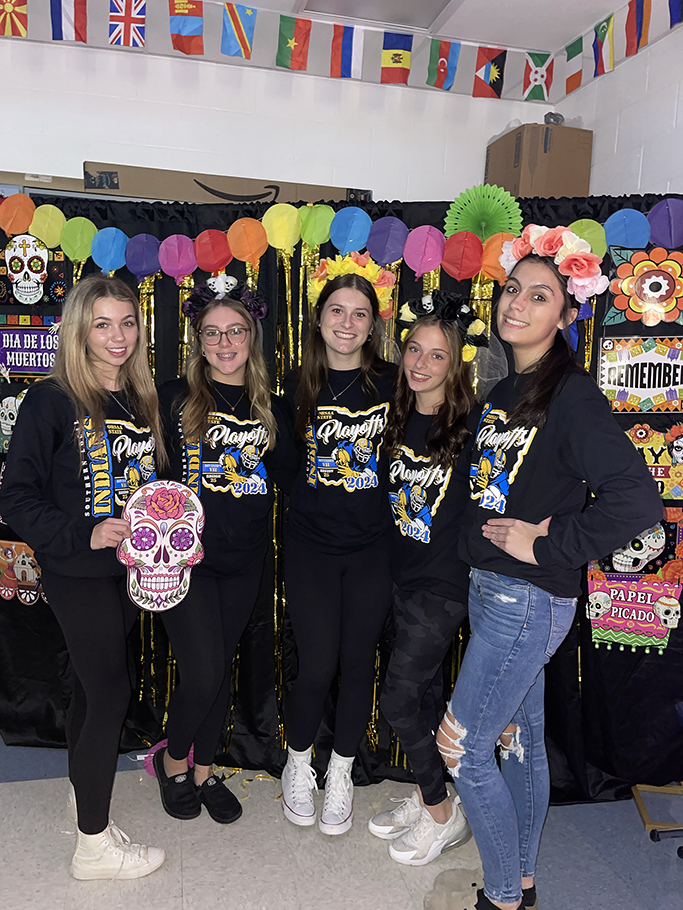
{"points": [[541, 160]]}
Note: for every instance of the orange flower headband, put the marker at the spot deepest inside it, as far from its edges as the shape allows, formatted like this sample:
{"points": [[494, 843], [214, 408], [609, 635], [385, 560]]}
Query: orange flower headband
{"points": [[381, 279]]}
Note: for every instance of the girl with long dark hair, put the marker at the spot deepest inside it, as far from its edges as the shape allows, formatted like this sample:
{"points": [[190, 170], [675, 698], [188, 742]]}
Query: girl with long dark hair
{"points": [[545, 441], [85, 439], [337, 554], [228, 442]]}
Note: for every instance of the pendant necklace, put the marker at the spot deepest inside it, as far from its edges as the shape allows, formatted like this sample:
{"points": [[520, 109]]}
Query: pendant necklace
{"points": [[339, 394], [121, 404], [231, 406]]}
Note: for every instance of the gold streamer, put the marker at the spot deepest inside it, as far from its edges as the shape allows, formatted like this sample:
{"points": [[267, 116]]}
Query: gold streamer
{"points": [[372, 734], [146, 289], [252, 275], [234, 685], [184, 328], [388, 351], [310, 260], [431, 281], [152, 656], [142, 655], [481, 298], [589, 327], [78, 269], [171, 669], [285, 260]]}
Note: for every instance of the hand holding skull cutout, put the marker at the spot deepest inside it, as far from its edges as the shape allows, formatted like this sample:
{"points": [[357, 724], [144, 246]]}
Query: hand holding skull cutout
{"points": [[166, 520]]}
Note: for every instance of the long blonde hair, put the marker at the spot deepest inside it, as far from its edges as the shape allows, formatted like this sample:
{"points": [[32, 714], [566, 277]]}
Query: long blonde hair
{"points": [[200, 401], [74, 371]]}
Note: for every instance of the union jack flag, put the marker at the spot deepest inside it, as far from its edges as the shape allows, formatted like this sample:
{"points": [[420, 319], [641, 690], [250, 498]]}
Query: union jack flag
{"points": [[127, 22]]}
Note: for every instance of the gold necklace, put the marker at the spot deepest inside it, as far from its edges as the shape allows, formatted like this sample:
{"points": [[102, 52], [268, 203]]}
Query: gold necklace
{"points": [[339, 394], [231, 406], [121, 404]]}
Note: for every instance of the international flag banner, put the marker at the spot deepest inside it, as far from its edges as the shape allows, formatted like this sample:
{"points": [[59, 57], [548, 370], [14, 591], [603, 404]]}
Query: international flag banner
{"points": [[69, 20], [489, 73], [574, 69], [675, 12], [187, 25], [13, 19], [238, 30], [603, 46], [396, 52], [127, 20], [292, 45], [443, 63], [538, 76], [637, 25], [346, 56]]}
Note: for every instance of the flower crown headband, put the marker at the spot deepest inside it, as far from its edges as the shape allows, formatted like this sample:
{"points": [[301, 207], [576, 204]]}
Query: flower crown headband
{"points": [[571, 254], [450, 308], [221, 287], [381, 279]]}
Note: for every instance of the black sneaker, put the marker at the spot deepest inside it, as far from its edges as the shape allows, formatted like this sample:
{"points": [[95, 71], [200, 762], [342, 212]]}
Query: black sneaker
{"points": [[222, 805], [529, 899], [178, 793]]}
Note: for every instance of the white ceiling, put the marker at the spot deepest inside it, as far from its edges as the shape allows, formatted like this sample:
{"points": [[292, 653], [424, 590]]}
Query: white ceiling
{"points": [[526, 24]]}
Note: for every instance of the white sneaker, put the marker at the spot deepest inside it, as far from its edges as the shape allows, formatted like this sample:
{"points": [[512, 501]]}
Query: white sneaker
{"points": [[298, 785], [110, 855], [426, 839], [337, 814], [394, 822]]}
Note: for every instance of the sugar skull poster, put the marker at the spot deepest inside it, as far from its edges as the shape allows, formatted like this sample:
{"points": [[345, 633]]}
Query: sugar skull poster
{"points": [[30, 273]]}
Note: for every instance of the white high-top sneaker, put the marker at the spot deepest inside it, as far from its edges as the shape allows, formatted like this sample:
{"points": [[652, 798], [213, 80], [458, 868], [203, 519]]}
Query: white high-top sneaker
{"points": [[110, 855], [337, 814], [298, 785]]}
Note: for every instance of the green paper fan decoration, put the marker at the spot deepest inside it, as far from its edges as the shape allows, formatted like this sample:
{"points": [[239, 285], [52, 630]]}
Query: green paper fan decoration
{"points": [[484, 210]]}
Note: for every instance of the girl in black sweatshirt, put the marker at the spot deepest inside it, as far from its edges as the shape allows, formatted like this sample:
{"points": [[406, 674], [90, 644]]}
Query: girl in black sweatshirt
{"points": [[85, 439], [545, 441]]}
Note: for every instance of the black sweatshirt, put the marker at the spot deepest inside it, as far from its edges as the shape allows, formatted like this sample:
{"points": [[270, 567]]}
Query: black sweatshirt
{"points": [[232, 473], [427, 504], [339, 500], [532, 474], [53, 495]]}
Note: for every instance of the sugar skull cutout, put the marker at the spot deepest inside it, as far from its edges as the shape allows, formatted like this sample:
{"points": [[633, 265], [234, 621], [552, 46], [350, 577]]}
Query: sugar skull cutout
{"points": [[166, 520], [599, 603], [641, 550], [27, 259], [9, 410]]}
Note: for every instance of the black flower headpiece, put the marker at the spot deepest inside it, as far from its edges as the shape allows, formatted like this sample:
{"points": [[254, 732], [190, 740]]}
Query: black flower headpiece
{"points": [[450, 308], [224, 287]]}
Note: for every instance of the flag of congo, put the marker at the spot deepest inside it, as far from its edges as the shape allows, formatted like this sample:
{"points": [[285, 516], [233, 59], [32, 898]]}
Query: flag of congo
{"points": [[396, 51]]}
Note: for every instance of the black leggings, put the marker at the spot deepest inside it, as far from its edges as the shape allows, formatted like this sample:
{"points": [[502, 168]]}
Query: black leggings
{"points": [[204, 631], [413, 700], [95, 615], [338, 605]]}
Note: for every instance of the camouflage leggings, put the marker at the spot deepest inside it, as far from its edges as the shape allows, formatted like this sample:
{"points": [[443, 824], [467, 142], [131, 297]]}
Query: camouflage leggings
{"points": [[413, 697]]}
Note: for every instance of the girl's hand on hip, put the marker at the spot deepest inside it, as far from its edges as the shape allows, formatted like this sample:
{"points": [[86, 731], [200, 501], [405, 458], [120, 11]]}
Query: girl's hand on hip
{"points": [[515, 537], [109, 533]]}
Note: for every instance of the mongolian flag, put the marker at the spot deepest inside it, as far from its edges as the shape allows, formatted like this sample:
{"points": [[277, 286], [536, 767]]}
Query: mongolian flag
{"points": [[13, 18], [127, 20], [489, 73], [346, 56], [574, 68], [675, 12], [292, 45], [238, 30], [69, 20], [603, 46], [538, 76], [637, 25], [187, 25], [443, 63], [396, 51]]}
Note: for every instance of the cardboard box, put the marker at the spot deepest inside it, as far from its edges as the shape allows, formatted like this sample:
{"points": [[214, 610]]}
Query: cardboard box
{"points": [[541, 160], [39, 182]]}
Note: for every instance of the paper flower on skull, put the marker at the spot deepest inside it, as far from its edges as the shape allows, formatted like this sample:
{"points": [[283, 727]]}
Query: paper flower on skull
{"points": [[641, 434], [649, 287]]}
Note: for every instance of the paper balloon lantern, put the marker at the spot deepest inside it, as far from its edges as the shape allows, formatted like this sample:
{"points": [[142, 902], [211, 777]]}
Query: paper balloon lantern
{"points": [[76, 238], [47, 225], [315, 223], [424, 248], [350, 229], [666, 223], [387, 238], [109, 249], [248, 240], [592, 232], [16, 214], [177, 257], [142, 255], [628, 228], [490, 262], [213, 251], [462, 254], [283, 226]]}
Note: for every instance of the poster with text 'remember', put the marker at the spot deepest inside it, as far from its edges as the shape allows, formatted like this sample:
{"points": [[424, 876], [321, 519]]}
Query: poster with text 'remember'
{"points": [[642, 374]]}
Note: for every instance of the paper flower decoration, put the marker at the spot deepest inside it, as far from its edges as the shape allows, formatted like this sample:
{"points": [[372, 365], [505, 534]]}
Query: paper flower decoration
{"points": [[649, 288], [382, 280], [484, 210]]}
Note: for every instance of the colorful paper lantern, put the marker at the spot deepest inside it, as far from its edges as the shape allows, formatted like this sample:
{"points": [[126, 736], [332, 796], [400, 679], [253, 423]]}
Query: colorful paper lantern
{"points": [[16, 214], [350, 229], [490, 262], [592, 232], [424, 248], [315, 223], [47, 225], [462, 255], [283, 226], [76, 238], [248, 240], [387, 238], [177, 257], [628, 228], [666, 223], [109, 249], [213, 251], [142, 255]]}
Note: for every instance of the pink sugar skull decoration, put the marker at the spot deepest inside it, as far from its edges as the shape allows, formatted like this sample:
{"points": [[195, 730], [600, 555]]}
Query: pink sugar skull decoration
{"points": [[166, 520]]}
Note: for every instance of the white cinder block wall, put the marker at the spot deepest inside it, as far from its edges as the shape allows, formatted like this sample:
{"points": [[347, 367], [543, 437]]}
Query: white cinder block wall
{"points": [[636, 114]]}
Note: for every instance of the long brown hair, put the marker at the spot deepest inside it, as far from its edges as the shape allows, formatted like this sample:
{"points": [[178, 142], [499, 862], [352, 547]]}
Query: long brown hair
{"points": [[314, 374], [200, 402], [74, 371], [553, 368], [450, 432]]}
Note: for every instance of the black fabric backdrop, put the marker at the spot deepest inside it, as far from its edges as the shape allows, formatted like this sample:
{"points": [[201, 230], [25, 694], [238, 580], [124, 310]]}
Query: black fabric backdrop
{"points": [[611, 718]]}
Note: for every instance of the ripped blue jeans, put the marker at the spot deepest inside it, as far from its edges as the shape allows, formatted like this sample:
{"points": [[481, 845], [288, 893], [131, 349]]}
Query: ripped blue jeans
{"points": [[516, 628]]}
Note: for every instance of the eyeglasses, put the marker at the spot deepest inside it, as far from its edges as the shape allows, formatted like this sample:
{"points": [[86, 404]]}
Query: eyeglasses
{"points": [[235, 335]]}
